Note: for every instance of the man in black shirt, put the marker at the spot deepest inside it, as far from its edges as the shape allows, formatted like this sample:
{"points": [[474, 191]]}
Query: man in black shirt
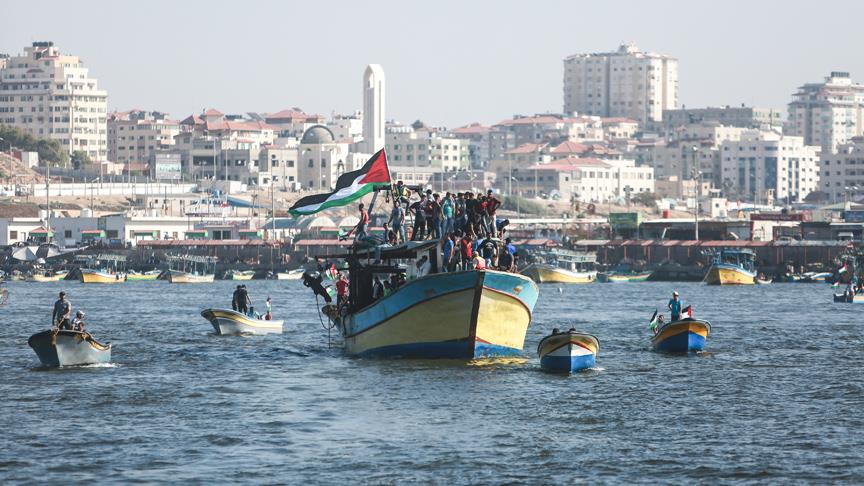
{"points": [[418, 209]]}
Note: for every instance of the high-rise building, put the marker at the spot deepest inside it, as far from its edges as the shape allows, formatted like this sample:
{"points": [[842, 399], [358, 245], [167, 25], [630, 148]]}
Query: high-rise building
{"points": [[51, 95], [627, 83], [373, 108], [829, 113], [764, 165]]}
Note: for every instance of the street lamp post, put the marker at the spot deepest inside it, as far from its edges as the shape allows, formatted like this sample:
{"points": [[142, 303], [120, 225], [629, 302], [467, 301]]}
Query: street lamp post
{"points": [[697, 177], [518, 211]]}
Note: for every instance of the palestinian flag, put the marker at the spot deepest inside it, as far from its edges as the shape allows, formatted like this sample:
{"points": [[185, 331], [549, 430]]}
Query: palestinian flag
{"points": [[687, 313], [843, 269], [654, 321], [331, 272], [349, 187]]}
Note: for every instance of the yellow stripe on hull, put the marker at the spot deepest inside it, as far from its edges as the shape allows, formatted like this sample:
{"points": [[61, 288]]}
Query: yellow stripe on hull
{"points": [[100, 278], [550, 274], [446, 318], [729, 276], [502, 320], [556, 341], [695, 327]]}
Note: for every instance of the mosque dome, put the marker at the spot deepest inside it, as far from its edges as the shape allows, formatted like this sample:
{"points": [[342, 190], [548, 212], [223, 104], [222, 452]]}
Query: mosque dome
{"points": [[317, 134]]}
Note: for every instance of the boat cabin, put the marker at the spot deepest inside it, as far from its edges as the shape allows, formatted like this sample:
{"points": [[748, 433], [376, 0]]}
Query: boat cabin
{"points": [[740, 258]]}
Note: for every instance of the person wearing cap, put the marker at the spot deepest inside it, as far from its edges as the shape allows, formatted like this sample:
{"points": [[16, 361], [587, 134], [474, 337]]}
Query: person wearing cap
{"points": [[675, 306], [78, 322], [62, 309]]}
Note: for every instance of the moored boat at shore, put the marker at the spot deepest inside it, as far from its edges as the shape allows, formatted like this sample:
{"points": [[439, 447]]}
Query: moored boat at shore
{"points": [[732, 267], [179, 277], [295, 274], [567, 352], [229, 322], [144, 276], [239, 274], [68, 348], [563, 266], [93, 276], [42, 276], [683, 336], [625, 277]]}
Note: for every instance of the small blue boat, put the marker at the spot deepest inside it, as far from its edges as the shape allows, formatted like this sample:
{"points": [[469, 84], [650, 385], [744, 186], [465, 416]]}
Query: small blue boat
{"points": [[684, 336], [568, 352]]}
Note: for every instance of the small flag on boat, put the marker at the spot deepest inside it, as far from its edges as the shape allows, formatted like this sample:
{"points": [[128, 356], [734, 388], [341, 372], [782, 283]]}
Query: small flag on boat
{"points": [[331, 272], [835, 284], [687, 313], [349, 187], [843, 269], [653, 324]]}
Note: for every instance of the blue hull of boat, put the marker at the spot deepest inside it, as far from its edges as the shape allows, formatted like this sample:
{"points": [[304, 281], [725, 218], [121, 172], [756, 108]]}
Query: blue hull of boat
{"points": [[684, 342], [564, 364]]}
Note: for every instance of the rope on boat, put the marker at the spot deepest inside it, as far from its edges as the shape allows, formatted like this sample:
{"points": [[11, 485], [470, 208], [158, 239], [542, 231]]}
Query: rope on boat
{"points": [[325, 326]]}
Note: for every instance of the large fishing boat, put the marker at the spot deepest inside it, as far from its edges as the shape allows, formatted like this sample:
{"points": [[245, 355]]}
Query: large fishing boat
{"points": [[423, 311], [563, 266], [151, 275], [732, 267], [468, 314], [191, 269]]}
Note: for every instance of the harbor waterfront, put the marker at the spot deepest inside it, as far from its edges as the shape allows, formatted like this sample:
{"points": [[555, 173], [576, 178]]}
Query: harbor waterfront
{"points": [[774, 397]]}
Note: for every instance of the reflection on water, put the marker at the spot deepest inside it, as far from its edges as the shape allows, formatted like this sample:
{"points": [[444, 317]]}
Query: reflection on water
{"points": [[772, 398]]}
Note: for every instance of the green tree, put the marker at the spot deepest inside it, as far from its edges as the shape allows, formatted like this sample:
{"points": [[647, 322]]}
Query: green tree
{"points": [[49, 151], [644, 198]]}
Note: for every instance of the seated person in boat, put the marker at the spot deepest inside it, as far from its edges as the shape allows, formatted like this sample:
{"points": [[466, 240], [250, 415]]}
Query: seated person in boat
{"points": [[478, 262], [505, 261], [675, 306], [489, 250], [62, 311], [78, 322]]}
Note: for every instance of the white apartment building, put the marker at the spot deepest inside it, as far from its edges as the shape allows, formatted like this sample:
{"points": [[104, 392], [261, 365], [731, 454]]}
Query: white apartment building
{"points": [[628, 83], [842, 174], [827, 114], [585, 180], [134, 135], [694, 147], [766, 166], [346, 128], [426, 147], [280, 166], [51, 95]]}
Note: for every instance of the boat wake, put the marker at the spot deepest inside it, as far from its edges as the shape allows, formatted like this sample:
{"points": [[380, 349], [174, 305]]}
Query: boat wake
{"points": [[97, 365]]}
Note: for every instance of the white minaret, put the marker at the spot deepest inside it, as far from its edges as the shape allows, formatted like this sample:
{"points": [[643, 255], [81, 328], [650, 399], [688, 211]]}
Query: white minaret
{"points": [[373, 108]]}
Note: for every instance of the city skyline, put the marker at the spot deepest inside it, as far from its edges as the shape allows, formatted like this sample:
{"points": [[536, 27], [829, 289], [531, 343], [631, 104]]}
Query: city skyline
{"points": [[467, 70]]}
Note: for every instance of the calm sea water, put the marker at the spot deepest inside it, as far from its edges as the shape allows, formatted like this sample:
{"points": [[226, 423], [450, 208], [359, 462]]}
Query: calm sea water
{"points": [[777, 398]]}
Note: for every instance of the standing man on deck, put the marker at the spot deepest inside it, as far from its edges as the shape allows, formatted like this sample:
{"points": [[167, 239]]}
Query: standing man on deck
{"points": [[675, 306], [62, 310], [397, 221], [235, 298], [243, 300]]}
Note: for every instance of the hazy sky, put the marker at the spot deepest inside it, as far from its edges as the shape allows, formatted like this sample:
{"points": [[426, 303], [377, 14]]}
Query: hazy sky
{"points": [[447, 62]]}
